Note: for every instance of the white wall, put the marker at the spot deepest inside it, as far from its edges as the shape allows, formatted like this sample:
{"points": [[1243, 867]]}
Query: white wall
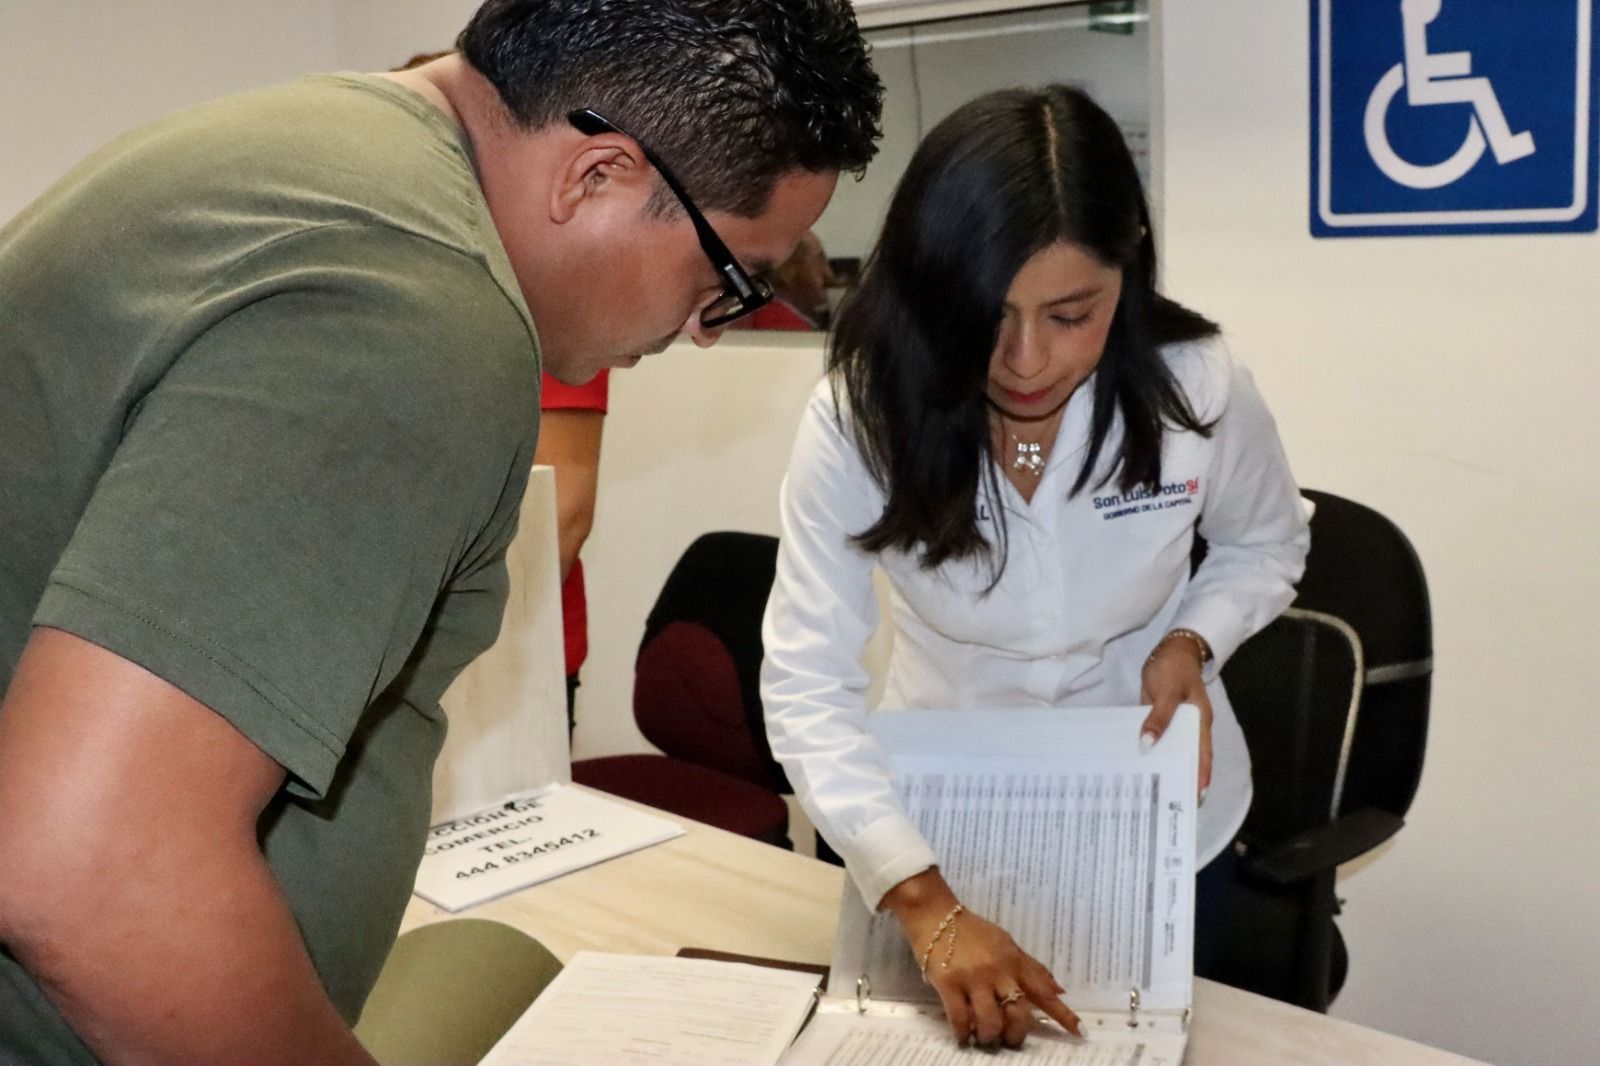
{"points": [[694, 441], [956, 61], [1450, 383], [380, 34], [75, 73]]}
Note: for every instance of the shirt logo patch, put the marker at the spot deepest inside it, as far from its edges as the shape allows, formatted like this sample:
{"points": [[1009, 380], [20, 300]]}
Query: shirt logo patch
{"points": [[1142, 500]]}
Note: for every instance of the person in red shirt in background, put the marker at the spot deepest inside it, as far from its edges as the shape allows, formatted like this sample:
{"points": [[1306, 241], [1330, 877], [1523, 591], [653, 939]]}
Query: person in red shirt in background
{"points": [[571, 418], [800, 289]]}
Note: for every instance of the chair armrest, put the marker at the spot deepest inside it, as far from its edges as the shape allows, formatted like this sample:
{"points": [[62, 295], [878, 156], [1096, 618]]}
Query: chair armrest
{"points": [[1323, 848]]}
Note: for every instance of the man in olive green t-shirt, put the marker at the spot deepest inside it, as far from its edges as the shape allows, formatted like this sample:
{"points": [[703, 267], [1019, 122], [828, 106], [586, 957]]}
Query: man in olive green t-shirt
{"points": [[268, 397]]}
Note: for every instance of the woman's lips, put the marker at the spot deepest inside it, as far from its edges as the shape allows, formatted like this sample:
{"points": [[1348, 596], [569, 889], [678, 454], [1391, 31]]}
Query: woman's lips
{"points": [[1025, 397]]}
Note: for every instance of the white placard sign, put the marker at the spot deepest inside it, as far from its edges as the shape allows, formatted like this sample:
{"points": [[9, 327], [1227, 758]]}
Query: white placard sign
{"points": [[527, 839]]}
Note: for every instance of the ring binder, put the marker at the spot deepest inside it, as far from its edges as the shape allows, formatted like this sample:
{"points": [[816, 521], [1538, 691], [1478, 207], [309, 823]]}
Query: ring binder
{"points": [[1081, 843]]}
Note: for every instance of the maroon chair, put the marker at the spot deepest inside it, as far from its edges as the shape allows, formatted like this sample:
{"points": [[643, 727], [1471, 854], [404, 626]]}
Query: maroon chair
{"points": [[696, 696]]}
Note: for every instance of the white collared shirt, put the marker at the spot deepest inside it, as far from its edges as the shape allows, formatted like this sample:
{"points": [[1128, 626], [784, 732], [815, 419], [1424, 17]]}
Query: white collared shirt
{"points": [[1091, 583]]}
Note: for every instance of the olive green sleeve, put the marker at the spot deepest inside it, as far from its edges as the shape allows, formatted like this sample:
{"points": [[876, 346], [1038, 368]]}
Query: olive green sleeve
{"points": [[342, 440]]}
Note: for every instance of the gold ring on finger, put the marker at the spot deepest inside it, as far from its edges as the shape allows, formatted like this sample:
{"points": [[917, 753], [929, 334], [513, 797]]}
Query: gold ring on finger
{"points": [[1009, 998]]}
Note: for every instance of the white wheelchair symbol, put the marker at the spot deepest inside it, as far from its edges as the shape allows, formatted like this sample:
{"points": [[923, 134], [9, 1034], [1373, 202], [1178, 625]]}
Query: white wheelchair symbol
{"points": [[1431, 79]]}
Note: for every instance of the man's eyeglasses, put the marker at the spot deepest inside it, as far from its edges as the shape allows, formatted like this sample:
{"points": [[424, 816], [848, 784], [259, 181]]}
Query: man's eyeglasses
{"points": [[741, 293]]}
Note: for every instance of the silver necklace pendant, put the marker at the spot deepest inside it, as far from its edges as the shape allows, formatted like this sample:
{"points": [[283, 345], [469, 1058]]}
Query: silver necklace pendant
{"points": [[1028, 457]]}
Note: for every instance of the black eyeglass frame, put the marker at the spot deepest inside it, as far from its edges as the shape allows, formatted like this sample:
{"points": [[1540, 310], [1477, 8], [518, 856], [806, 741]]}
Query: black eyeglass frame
{"points": [[741, 293]]}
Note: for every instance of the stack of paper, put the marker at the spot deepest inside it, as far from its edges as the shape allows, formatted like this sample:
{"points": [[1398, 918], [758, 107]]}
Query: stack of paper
{"points": [[644, 1010]]}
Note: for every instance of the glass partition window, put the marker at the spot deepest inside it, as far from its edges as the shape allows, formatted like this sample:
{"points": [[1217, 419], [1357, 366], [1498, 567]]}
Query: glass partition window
{"points": [[931, 68]]}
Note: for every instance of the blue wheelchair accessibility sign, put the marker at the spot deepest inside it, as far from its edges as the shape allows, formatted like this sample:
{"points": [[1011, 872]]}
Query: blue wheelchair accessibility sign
{"points": [[1452, 116]]}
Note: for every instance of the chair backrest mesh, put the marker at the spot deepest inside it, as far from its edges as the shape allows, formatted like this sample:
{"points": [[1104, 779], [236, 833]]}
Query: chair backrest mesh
{"points": [[1363, 569], [1294, 687]]}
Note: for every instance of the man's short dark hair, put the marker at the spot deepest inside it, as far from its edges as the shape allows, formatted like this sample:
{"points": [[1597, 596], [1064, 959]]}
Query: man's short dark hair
{"points": [[731, 94]]}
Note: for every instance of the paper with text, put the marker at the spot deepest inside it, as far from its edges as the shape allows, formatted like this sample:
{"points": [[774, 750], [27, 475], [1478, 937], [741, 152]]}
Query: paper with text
{"points": [[1057, 827], [847, 1039], [528, 839], [644, 1010]]}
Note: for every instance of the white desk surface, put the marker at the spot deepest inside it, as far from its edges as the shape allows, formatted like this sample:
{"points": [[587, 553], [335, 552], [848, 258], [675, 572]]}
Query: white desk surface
{"points": [[713, 889]]}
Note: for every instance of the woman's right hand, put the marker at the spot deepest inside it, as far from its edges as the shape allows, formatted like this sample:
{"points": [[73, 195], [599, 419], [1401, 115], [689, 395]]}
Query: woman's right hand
{"points": [[980, 971]]}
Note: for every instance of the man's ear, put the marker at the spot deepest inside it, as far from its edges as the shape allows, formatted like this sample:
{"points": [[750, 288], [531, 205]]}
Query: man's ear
{"points": [[599, 166]]}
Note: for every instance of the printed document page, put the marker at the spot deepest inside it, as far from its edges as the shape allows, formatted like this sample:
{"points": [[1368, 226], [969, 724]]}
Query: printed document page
{"points": [[1058, 828], [528, 839], [646, 1010], [850, 1039]]}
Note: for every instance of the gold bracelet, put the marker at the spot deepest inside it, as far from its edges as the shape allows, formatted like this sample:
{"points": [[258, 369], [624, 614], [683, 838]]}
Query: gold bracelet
{"points": [[949, 949], [1187, 634], [933, 942]]}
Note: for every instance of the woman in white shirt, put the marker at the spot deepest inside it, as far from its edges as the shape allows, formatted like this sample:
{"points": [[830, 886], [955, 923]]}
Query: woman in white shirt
{"points": [[1026, 437]]}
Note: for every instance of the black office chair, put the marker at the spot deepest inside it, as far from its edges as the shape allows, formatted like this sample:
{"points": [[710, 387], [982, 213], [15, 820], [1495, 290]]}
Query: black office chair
{"points": [[697, 697], [1333, 701]]}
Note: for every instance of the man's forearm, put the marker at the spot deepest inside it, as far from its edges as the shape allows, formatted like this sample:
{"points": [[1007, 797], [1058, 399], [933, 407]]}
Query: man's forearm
{"points": [[175, 974]]}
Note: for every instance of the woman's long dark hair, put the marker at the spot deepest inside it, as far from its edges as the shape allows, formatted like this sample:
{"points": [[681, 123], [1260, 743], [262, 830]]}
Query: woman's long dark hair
{"points": [[999, 180]]}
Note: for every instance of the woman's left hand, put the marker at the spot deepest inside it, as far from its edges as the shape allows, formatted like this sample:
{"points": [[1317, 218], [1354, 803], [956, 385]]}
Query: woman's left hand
{"points": [[1173, 676]]}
